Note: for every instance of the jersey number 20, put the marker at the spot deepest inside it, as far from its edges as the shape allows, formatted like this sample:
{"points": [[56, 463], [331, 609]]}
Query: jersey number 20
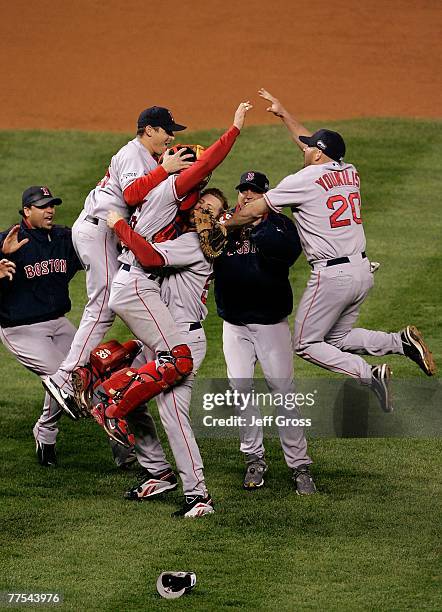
{"points": [[354, 201]]}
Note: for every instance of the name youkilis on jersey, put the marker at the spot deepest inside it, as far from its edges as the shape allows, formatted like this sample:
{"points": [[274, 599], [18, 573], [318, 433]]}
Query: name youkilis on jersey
{"points": [[337, 178]]}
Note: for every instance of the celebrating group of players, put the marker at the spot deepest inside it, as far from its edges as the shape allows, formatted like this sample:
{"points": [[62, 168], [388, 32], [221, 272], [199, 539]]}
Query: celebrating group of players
{"points": [[136, 241]]}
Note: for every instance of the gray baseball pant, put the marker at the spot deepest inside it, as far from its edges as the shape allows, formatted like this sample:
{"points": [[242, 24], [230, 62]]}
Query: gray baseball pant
{"points": [[325, 317], [41, 347], [271, 345], [96, 246], [174, 411]]}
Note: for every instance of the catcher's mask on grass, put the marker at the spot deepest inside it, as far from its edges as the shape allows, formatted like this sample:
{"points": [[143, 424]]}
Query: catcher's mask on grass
{"points": [[172, 585]]}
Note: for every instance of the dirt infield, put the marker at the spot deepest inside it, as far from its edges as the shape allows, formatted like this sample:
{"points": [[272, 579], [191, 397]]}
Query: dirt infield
{"points": [[94, 64]]}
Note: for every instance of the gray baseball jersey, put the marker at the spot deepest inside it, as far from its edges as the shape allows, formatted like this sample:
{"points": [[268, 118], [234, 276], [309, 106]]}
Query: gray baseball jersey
{"points": [[131, 162], [185, 288], [159, 208], [326, 205]]}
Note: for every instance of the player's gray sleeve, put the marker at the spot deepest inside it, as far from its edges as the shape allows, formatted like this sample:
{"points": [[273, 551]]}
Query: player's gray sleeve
{"points": [[129, 166], [289, 192], [182, 252]]}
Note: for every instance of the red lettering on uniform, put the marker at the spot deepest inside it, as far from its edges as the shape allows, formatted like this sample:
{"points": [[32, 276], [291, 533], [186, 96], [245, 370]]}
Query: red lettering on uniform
{"points": [[29, 271], [57, 265], [320, 182], [44, 267], [206, 289], [105, 179], [334, 218], [346, 178], [355, 203], [357, 180], [327, 179], [62, 265], [37, 268], [338, 178], [51, 265]]}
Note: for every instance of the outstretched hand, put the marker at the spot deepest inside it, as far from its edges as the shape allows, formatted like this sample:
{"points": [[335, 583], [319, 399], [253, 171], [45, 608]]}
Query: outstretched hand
{"points": [[276, 107], [240, 115], [7, 268], [11, 243]]}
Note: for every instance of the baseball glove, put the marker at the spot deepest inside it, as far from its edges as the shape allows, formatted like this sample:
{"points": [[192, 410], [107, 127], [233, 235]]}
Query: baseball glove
{"points": [[212, 235]]}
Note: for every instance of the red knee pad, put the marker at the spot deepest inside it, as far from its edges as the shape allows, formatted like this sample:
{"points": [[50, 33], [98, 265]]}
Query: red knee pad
{"points": [[183, 359]]}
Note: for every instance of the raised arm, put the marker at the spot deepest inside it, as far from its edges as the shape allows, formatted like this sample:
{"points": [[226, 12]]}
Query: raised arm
{"points": [[295, 128], [212, 157]]}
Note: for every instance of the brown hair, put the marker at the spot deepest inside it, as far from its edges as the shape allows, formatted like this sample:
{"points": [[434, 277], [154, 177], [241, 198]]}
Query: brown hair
{"points": [[218, 194]]}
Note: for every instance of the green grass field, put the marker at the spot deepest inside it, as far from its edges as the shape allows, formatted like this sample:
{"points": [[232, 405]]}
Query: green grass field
{"points": [[367, 541]]}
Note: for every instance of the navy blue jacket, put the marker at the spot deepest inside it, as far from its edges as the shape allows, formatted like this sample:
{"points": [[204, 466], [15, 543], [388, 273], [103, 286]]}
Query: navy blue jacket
{"points": [[44, 266], [252, 274]]}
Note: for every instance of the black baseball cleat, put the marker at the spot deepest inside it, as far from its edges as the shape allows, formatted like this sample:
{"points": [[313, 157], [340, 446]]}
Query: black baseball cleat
{"points": [[254, 476], [380, 383], [195, 506], [66, 401], [46, 454], [124, 458], [149, 485], [303, 480], [416, 349]]}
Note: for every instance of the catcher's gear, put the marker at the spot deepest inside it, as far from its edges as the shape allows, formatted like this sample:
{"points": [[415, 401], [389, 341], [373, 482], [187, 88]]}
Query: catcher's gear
{"points": [[82, 384], [172, 585], [115, 428], [128, 388], [212, 235], [195, 150], [110, 356], [105, 359]]}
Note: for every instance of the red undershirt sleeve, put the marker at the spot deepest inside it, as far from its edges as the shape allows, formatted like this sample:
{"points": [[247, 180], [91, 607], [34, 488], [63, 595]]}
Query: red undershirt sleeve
{"points": [[189, 178], [143, 250], [138, 190]]}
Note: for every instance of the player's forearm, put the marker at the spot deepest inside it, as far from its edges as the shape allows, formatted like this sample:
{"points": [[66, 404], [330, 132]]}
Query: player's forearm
{"points": [[143, 250], [295, 128], [189, 178], [138, 190], [248, 214]]}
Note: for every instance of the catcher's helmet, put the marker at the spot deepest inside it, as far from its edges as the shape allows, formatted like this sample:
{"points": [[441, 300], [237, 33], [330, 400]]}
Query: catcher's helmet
{"points": [[194, 150]]}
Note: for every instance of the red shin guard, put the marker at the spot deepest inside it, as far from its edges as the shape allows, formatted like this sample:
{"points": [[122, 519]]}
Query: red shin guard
{"points": [[131, 388]]}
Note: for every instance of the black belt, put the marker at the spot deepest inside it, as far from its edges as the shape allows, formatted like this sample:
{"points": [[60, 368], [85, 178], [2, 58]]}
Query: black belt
{"points": [[341, 260], [194, 326], [93, 220], [127, 268]]}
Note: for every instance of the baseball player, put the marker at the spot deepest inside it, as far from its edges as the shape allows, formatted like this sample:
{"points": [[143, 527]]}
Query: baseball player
{"points": [[34, 300], [254, 298], [132, 173], [326, 203], [135, 294], [184, 292]]}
